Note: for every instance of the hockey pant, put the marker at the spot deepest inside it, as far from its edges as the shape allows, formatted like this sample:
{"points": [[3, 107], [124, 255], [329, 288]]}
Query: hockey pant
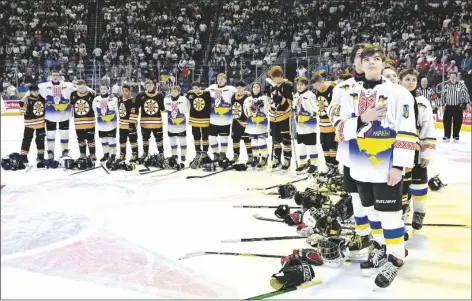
{"points": [[383, 206], [259, 144], [281, 133], [176, 140], [28, 137], [361, 219], [131, 134], [86, 137], [51, 128], [108, 140], [200, 138], [329, 145], [223, 132], [306, 146], [158, 135], [237, 134]]}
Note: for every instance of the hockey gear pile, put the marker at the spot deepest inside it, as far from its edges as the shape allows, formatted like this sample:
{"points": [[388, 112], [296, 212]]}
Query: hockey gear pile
{"points": [[13, 162]]}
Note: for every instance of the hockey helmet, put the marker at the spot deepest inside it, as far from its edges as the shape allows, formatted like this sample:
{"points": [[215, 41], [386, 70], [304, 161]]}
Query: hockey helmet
{"points": [[209, 167], [224, 163], [240, 167], [84, 163], [112, 165], [67, 162], [51, 163], [331, 250], [7, 163], [286, 191], [282, 211], [435, 184]]}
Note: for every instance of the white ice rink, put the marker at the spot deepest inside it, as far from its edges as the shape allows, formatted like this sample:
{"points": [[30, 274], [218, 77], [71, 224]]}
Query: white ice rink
{"points": [[95, 235]]}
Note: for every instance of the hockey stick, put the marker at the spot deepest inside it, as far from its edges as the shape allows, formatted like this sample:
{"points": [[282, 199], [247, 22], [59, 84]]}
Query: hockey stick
{"points": [[144, 169], [294, 132], [262, 206], [262, 239], [195, 254], [286, 290], [259, 217], [211, 174], [106, 170], [275, 186], [170, 173], [89, 169]]}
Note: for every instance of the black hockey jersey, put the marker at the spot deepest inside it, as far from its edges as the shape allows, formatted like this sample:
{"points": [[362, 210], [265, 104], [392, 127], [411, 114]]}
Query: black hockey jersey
{"points": [[237, 103], [151, 106], [281, 111], [128, 112], [34, 112], [84, 116], [200, 108], [324, 100]]}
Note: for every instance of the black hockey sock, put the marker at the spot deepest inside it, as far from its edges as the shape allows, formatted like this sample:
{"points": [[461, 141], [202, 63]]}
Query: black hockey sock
{"points": [[82, 147], [91, 147], [198, 145], [205, 145], [146, 146]]}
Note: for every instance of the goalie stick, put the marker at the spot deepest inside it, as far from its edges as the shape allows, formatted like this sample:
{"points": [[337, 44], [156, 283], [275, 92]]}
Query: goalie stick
{"points": [[275, 186], [195, 254], [287, 290]]}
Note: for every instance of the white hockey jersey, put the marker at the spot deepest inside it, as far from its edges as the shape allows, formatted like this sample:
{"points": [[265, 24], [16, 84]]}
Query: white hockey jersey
{"points": [[58, 107], [342, 154], [377, 146], [221, 113], [107, 110], [176, 113], [426, 128], [306, 108], [257, 116]]}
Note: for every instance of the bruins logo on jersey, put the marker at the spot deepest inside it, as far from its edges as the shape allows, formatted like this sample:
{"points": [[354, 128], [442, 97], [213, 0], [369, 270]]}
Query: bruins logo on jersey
{"points": [[122, 110], [38, 108], [322, 105], [151, 107], [81, 107], [199, 104], [237, 110]]}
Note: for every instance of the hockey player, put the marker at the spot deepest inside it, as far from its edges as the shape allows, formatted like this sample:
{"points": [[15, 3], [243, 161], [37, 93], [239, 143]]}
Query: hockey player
{"points": [[360, 242], [58, 111], [390, 72], [220, 118], [307, 126], [256, 107], [176, 107], [239, 123], [426, 131], [151, 106], [324, 94], [84, 119], [199, 119], [128, 120], [382, 143], [106, 109], [281, 94], [33, 112]]}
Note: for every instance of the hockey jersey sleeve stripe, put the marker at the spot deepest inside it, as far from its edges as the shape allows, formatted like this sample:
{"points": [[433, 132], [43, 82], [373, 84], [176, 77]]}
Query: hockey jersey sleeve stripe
{"points": [[346, 129]]}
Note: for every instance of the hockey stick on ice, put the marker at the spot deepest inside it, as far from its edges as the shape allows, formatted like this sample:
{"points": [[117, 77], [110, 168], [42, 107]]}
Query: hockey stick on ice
{"points": [[262, 239], [287, 290], [89, 169], [170, 173], [259, 217], [104, 168], [275, 186], [262, 206], [195, 254], [211, 174]]}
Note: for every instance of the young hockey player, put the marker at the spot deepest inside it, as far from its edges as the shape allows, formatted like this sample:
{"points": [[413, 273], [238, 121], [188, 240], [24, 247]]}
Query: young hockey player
{"points": [[106, 109], [281, 94], [199, 119], [390, 72], [33, 112], [84, 119], [426, 132], [360, 242], [151, 106], [256, 107], [239, 123], [382, 143], [221, 115], [306, 109], [176, 107], [128, 120], [324, 94]]}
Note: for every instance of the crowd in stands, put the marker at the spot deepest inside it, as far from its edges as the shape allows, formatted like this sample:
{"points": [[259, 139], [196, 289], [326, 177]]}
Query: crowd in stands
{"points": [[166, 40]]}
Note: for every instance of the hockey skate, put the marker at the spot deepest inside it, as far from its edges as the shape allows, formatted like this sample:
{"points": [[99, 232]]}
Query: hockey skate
{"points": [[312, 169], [286, 164], [358, 247], [40, 158], [50, 155], [250, 159], [65, 153], [262, 163], [389, 271], [182, 159], [105, 157], [121, 158], [418, 218], [255, 161], [216, 157], [134, 158], [276, 165], [235, 158], [302, 169], [24, 159], [93, 157], [143, 158], [82, 156], [377, 258]]}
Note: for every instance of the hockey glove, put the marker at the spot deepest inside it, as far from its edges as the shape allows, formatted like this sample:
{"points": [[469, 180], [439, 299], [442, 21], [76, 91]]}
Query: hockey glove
{"points": [[309, 256], [282, 211], [294, 218], [291, 276]]}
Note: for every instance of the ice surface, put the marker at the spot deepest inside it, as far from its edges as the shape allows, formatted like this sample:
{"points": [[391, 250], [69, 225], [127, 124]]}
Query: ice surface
{"points": [[95, 235]]}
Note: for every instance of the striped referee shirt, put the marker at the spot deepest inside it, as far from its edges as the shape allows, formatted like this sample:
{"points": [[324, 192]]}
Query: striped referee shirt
{"points": [[426, 92], [455, 94]]}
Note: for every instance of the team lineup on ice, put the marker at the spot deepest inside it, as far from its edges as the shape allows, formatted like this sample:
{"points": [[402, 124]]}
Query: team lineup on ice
{"points": [[328, 199]]}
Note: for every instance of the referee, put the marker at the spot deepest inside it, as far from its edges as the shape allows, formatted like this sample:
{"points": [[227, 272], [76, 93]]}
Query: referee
{"points": [[455, 97]]}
